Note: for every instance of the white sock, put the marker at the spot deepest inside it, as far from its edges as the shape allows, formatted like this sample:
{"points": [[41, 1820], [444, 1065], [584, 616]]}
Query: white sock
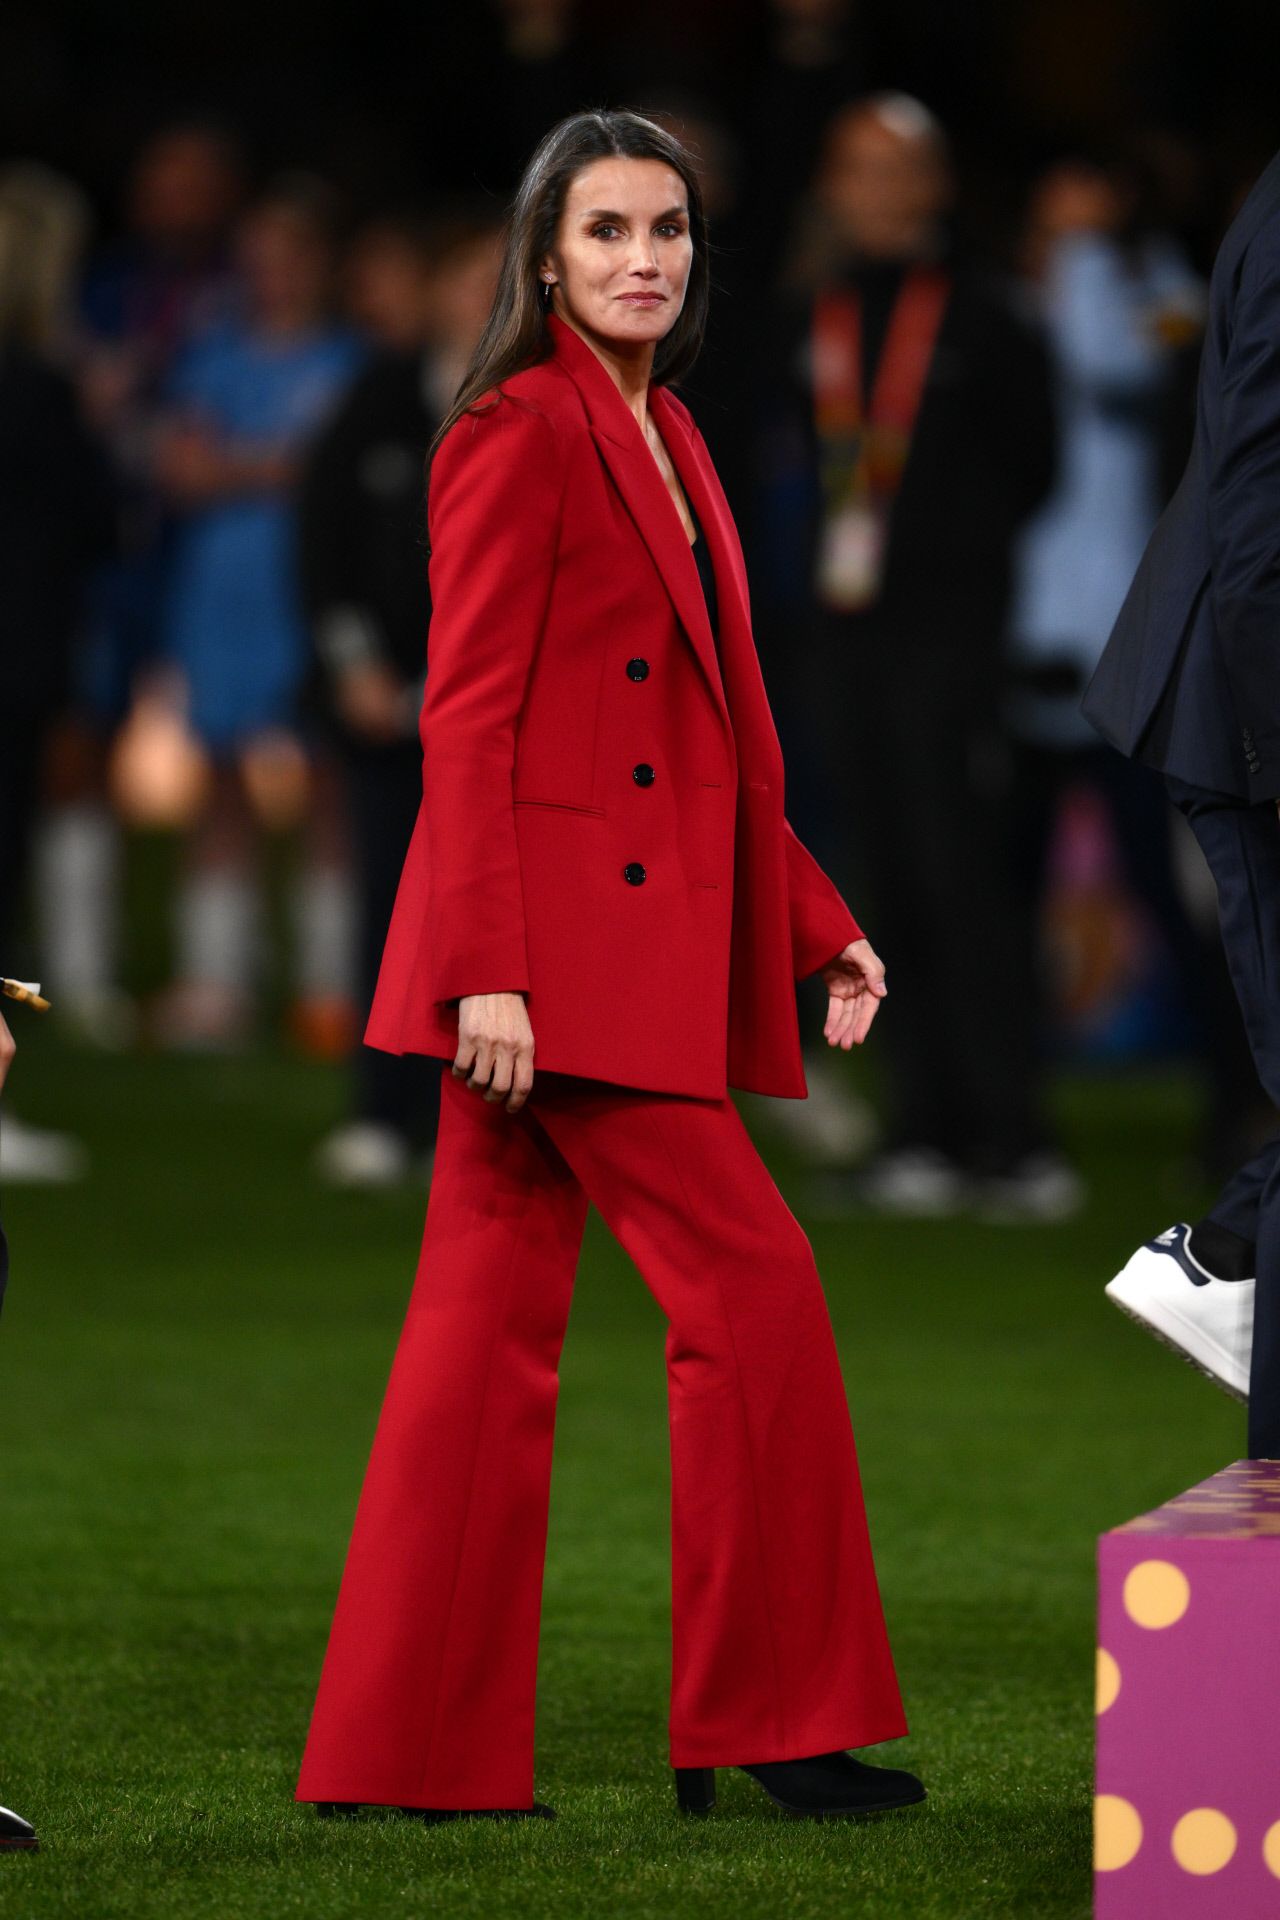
{"points": [[77, 885], [218, 913], [324, 921]]}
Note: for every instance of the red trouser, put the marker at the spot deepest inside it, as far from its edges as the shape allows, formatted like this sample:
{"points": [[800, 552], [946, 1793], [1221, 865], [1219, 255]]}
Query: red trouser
{"points": [[779, 1646]]}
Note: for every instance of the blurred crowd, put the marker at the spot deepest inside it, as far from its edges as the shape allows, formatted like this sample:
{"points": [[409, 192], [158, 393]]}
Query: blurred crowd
{"points": [[945, 438]]}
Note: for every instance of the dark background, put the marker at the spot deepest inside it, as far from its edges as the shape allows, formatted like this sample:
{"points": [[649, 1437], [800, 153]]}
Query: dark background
{"points": [[392, 99]]}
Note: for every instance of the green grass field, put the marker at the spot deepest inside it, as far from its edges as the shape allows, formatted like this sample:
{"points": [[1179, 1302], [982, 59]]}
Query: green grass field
{"points": [[191, 1361]]}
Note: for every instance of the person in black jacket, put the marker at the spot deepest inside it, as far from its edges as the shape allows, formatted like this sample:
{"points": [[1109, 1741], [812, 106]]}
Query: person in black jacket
{"points": [[424, 288], [918, 436], [57, 520], [1189, 685]]}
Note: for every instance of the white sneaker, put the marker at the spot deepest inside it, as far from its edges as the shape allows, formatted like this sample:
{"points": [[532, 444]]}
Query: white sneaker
{"points": [[105, 1018], [919, 1183], [834, 1126], [35, 1156], [1208, 1321], [364, 1153], [1042, 1188]]}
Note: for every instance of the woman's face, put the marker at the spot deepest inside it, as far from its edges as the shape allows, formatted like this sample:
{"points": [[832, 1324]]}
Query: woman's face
{"points": [[623, 251]]}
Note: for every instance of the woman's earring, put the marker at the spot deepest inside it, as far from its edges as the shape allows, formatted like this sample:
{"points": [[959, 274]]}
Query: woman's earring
{"points": [[545, 287]]}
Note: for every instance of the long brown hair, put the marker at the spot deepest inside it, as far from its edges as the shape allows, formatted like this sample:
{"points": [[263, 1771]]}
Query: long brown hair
{"points": [[516, 333]]}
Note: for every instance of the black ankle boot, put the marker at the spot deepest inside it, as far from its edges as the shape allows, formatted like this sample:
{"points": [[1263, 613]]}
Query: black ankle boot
{"points": [[824, 1783]]}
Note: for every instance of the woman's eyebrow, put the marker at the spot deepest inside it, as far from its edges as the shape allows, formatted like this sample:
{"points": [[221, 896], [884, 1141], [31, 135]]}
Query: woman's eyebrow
{"points": [[606, 213]]}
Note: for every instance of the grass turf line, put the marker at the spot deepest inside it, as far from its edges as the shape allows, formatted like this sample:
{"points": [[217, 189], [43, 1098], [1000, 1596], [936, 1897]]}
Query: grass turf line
{"points": [[191, 1362]]}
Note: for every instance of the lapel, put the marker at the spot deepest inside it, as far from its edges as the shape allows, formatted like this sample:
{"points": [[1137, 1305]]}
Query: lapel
{"points": [[635, 473]]}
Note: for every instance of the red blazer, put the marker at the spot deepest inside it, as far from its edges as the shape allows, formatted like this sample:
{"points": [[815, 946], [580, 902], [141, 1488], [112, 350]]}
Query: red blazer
{"points": [[601, 825]]}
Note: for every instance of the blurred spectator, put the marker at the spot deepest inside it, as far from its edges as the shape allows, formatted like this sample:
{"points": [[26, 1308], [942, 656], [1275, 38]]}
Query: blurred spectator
{"points": [[424, 290], [140, 297], [921, 426], [536, 69], [56, 520], [245, 398], [809, 59], [1120, 302]]}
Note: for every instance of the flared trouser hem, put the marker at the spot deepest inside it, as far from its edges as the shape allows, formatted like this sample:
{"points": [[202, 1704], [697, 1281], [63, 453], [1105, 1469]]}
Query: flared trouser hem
{"points": [[426, 1696]]}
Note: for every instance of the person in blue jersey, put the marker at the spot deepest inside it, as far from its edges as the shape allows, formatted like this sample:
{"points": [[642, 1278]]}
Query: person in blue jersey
{"points": [[245, 400]]}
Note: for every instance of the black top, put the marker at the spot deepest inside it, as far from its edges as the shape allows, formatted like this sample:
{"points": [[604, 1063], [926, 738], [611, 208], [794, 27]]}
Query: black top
{"points": [[362, 521], [57, 522], [706, 572], [982, 459]]}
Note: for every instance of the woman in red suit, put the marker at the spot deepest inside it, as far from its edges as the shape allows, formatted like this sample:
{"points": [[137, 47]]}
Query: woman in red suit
{"points": [[601, 864]]}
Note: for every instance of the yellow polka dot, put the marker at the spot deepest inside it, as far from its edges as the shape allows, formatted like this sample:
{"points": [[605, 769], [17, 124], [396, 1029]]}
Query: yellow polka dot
{"points": [[1156, 1593], [1204, 1841], [1108, 1684], [1271, 1848], [1117, 1832]]}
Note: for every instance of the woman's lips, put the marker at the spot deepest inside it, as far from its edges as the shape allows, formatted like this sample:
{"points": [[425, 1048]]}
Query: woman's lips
{"points": [[642, 299]]}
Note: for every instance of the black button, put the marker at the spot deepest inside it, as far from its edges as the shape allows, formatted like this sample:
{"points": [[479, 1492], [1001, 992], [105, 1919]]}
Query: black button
{"points": [[643, 775], [637, 669], [633, 874]]}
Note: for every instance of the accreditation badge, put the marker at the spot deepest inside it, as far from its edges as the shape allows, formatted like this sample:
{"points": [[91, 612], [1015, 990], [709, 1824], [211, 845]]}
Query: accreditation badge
{"points": [[851, 556]]}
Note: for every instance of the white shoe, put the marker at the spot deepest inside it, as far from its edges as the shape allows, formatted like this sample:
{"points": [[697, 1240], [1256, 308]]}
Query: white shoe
{"points": [[105, 1018], [917, 1182], [364, 1153], [1041, 1188], [834, 1126], [35, 1156], [1208, 1321]]}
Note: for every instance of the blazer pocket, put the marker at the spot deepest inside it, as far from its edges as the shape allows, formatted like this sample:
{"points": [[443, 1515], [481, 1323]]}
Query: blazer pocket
{"points": [[561, 806]]}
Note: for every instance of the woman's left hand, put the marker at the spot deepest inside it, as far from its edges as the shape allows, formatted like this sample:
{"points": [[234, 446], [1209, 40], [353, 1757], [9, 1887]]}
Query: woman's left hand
{"points": [[855, 981]]}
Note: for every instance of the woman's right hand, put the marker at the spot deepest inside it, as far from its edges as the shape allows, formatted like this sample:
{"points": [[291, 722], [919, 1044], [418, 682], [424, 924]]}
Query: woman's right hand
{"points": [[7, 1049], [495, 1047]]}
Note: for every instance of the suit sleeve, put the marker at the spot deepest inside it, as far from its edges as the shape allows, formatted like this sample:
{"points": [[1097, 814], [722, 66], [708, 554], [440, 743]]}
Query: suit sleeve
{"points": [[1244, 513], [493, 519], [821, 924]]}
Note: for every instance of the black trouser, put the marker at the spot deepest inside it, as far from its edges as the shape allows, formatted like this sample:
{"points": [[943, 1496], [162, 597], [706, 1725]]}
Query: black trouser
{"points": [[385, 787], [1242, 846], [918, 793], [1138, 814]]}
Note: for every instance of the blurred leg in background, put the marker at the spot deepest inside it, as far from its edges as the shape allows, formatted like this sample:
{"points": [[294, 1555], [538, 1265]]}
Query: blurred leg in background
{"points": [[211, 1002], [395, 1100], [322, 1016]]}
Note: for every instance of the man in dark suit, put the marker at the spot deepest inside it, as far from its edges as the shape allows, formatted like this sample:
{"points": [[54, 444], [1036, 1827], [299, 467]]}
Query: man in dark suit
{"points": [[1189, 684]]}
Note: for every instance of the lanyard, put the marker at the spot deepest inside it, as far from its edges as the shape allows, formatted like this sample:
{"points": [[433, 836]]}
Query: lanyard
{"points": [[875, 444]]}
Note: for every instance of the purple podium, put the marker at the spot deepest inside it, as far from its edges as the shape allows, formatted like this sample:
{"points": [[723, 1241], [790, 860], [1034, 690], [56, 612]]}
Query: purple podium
{"points": [[1187, 1808]]}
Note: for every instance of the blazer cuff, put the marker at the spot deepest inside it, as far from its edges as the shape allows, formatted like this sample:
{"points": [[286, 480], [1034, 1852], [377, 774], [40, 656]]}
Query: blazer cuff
{"points": [[817, 945], [481, 970]]}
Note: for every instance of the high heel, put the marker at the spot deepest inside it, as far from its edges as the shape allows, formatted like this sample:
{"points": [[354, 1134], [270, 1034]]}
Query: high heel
{"points": [[824, 1783], [695, 1789]]}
